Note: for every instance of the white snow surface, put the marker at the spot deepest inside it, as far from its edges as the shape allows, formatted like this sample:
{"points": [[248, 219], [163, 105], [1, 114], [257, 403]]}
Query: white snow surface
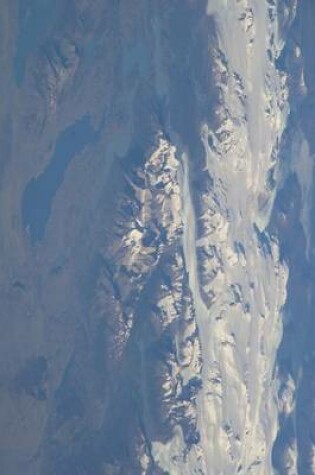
{"points": [[238, 280]]}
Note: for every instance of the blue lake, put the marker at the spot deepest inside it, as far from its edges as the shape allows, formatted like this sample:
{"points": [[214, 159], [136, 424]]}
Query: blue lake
{"points": [[39, 193]]}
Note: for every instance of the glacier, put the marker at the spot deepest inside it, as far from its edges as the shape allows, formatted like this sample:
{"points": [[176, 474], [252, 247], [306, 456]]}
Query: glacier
{"points": [[236, 275]]}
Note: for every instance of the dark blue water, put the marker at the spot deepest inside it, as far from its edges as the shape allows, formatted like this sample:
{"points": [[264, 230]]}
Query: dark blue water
{"points": [[39, 192], [34, 21]]}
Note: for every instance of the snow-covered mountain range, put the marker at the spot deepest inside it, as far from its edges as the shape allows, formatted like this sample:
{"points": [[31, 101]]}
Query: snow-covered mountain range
{"points": [[156, 237]]}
